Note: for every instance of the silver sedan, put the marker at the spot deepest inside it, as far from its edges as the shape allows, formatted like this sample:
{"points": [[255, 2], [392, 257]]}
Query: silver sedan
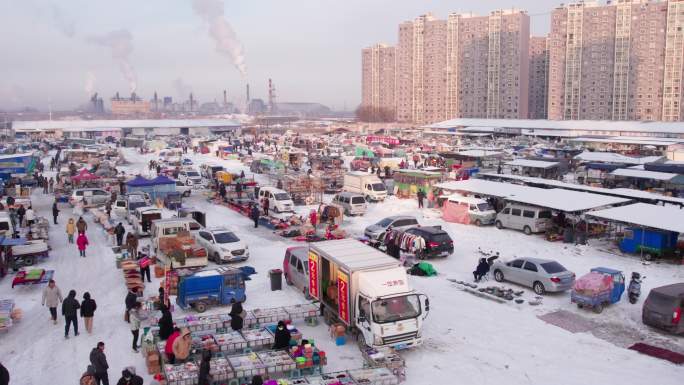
{"points": [[542, 275]]}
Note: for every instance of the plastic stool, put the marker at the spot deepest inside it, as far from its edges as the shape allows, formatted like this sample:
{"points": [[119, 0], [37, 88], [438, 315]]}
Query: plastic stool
{"points": [[295, 373]]}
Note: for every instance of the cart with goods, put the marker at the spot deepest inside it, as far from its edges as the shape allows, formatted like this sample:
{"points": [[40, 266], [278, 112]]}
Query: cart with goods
{"points": [[258, 338], [9, 314], [32, 277], [597, 289]]}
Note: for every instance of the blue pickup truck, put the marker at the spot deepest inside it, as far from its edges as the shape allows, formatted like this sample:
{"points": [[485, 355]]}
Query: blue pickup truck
{"points": [[212, 287]]}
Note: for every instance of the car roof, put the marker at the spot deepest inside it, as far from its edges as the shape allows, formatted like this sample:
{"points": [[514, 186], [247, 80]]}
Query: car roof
{"points": [[537, 260], [352, 194], [395, 217], [674, 290], [429, 229], [218, 229], [148, 208]]}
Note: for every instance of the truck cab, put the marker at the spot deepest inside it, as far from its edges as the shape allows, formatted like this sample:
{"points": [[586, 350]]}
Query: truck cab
{"points": [[211, 287], [368, 185]]}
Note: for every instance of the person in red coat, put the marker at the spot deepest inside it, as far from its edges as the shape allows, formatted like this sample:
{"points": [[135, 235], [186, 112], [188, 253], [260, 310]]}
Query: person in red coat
{"points": [[82, 243], [168, 349], [313, 218]]}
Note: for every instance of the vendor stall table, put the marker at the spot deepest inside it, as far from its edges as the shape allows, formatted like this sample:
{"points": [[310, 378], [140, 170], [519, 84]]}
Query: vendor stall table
{"points": [[32, 277]]}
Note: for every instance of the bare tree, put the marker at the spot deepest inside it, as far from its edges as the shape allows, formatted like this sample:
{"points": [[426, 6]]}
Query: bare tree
{"points": [[371, 114]]}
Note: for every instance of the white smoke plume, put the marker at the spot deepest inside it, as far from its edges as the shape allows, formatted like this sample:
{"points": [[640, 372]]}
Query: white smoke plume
{"points": [[63, 23], [227, 43], [182, 88], [120, 42], [90, 82]]}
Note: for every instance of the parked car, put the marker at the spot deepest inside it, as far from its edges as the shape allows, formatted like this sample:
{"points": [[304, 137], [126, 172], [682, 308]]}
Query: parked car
{"points": [[438, 243], [398, 222], [351, 203], [190, 177], [542, 275], [663, 308], [222, 245], [529, 219], [209, 170], [477, 210], [183, 188], [278, 200], [89, 196], [296, 268]]}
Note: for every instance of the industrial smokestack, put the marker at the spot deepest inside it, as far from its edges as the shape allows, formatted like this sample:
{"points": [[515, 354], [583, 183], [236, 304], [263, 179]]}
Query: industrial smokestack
{"points": [[247, 92], [117, 95], [225, 97], [192, 102], [156, 101]]}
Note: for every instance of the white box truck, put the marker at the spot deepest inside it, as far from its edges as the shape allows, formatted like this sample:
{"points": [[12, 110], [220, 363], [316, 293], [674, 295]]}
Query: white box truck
{"points": [[368, 185], [368, 291]]}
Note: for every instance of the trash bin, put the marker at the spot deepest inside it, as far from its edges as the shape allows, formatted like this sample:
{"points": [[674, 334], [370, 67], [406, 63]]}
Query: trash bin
{"points": [[276, 276]]}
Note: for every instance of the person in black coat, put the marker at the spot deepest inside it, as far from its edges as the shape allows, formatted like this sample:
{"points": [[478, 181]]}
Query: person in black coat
{"points": [[131, 299], [21, 211], [55, 211], [128, 377], [99, 362], [204, 368], [4, 375], [119, 230], [236, 316], [255, 215], [88, 307], [165, 323], [481, 270], [282, 337], [222, 191], [70, 308]]}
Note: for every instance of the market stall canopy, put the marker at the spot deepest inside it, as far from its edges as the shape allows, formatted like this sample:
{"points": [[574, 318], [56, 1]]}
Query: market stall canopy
{"points": [[139, 181], [85, 175], [556, 199], [480, 153], [611, 157], [532, 163], [643, 174], [161, 179], [643, 214]]}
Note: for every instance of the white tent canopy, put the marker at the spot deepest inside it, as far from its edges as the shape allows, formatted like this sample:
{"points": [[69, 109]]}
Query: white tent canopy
{"points": [[532, 163], [643, 214], [642, 174], [556, 199]]}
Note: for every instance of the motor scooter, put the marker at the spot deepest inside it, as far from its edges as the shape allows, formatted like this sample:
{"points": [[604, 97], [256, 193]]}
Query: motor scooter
{"points": [[634, 288]]}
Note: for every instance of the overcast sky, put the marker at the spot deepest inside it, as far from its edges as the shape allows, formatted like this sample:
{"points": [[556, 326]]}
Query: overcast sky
{"points": [[54, 51]]}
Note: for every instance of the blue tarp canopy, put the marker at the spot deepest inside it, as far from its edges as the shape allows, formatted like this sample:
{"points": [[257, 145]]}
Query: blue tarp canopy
{"points": [[161, 179], [139, 181], [4, 241]]}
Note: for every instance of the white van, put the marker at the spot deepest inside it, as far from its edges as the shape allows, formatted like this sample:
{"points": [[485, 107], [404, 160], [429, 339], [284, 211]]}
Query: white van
{"points": [[529, 219], [351, 203], [368, 185], [89, 196], [479, 211], [6, 227], [142, 217], [278, 200]]}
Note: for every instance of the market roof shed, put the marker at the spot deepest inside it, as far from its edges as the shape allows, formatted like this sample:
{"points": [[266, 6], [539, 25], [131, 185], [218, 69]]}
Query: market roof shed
{"points": [[614, 158], [643, 174], [642, 214], [542, 168], [556, 199]]}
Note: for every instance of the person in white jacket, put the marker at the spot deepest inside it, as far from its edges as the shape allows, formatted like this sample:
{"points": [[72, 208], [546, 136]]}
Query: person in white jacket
{"points": [[52, 297], [30, 216], [136, 317]]}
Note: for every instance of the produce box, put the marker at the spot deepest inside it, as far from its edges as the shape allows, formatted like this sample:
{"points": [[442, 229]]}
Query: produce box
{"points": [[220, 369], [258, 338], [303, 311], [247, 365], [273, 315], [183, 374], [276, 361], [230, 342]]}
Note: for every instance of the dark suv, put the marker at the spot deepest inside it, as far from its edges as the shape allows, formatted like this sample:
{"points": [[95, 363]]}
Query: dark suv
{"points": [[438, 243]]}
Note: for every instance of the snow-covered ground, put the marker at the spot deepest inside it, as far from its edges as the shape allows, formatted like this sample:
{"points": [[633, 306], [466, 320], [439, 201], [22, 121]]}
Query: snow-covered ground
{"points": [[467, 339]]}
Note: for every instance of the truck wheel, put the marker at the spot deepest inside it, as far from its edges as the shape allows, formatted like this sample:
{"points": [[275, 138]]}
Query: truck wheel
{"points": [[579, 306], [200, 307], [499, 225], [648, 257], [29, 261], [598, 308], [538, 288], [478, 223], [498, 276], [527, 230], [216, 258], [288, 281]]}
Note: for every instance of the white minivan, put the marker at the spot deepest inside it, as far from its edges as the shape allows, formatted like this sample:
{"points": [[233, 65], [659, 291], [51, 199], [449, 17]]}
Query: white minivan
{"points": [[351, 203], [529, 219], [479, 211], [278, 200]]}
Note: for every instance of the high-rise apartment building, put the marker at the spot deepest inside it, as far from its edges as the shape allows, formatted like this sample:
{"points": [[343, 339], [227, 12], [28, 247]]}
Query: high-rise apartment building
{"points": [[539, 60], [378, 78], [465, 66], [618, 61]]}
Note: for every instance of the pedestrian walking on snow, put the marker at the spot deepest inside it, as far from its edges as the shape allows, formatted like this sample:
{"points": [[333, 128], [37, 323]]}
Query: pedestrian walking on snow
{"points": [[421, 196], [70, 230], [21, 211], [70, 308], [52, 296], [136, 318], [255, 215], [119, 230], [88, 307], [108, 209], [30, 216], [99, 362], [55, 211], [131, 300], [132, 245], [81, 225], [82, 243]]}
